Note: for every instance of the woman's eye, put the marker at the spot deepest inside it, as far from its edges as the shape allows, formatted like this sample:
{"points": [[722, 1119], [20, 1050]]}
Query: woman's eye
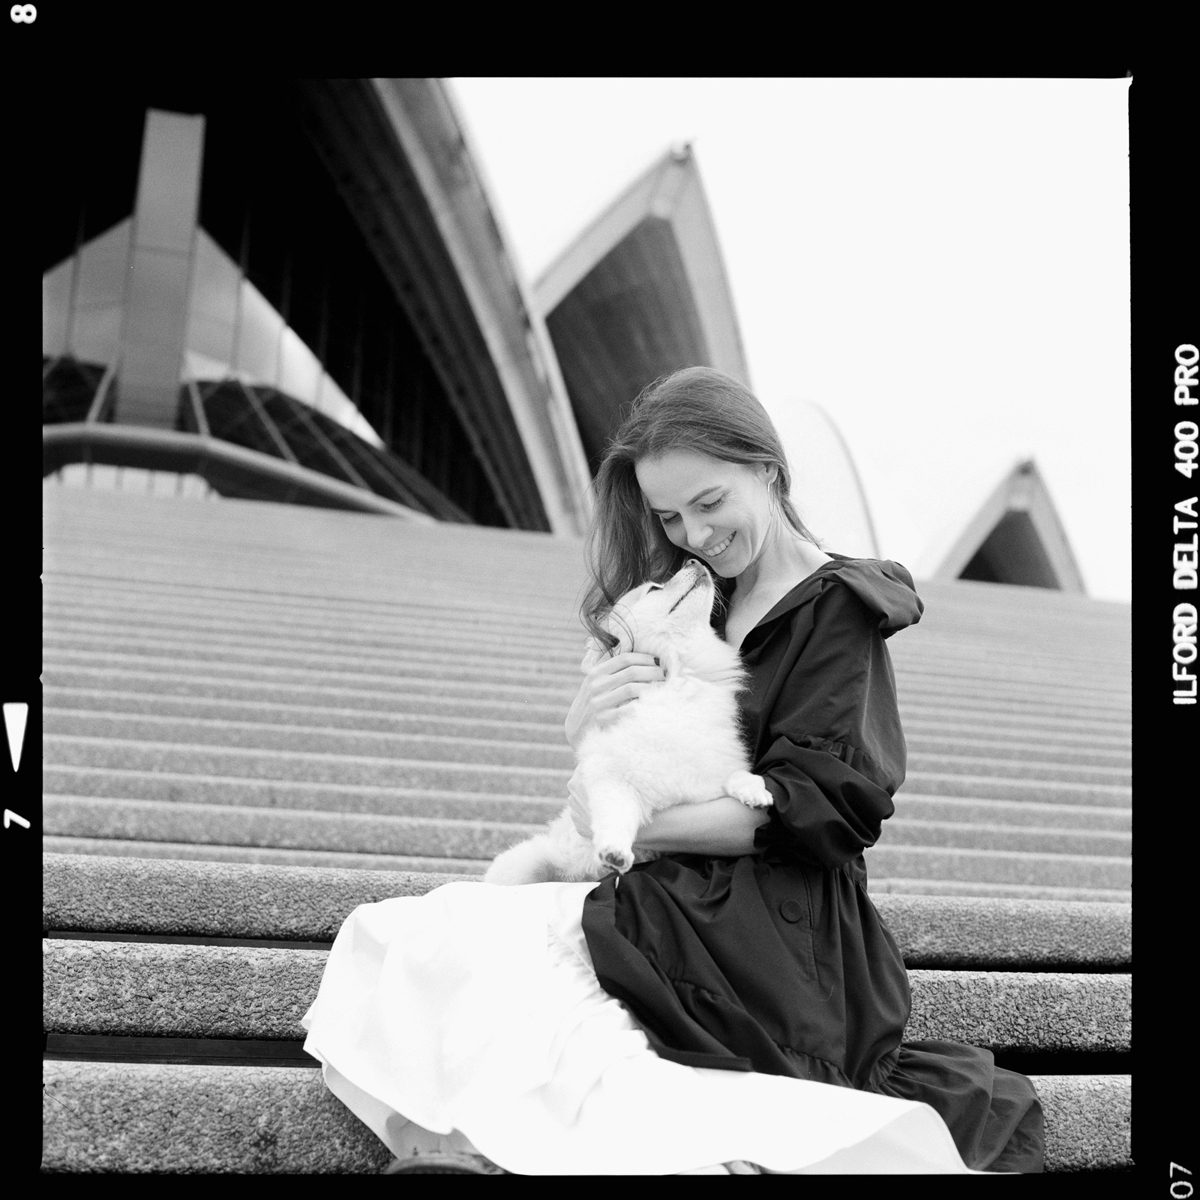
{"points": [[705, 508]]}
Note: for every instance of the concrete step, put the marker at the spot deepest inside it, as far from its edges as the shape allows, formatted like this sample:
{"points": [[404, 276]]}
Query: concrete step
{"points": [[285, 766], [131, 521], [149, 730], [146, 685], [414, 681], [162, 819], [448, 630], [1075, 639], [197, 899], [539, 696], [487, 636], [410, 624], [136, 1118], [119, 784], [291, 829], [1106, 739], [231, 574], [249, 653], [1041, 791], [558, 671], [146, 522], [1017, 696], [141, 686], [1108, 873], [1059, 889], [412, 603], [411, 717], [313, 574], [996, 682], [493, 660], [266, 855], [147, 989], [1033, 621], [199, 824], [513, 746], [898, 885], [1022, 641], [906, 829], [267, 527], [143, 577], [387, 770], [140, 577], [273, 525]]}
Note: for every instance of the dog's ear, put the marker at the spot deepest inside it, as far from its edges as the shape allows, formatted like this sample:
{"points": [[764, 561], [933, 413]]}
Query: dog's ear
{"points": [[593, 652]]}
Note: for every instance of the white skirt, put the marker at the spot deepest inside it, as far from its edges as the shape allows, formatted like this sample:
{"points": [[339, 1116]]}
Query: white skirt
{"points": [[473, 1011]]}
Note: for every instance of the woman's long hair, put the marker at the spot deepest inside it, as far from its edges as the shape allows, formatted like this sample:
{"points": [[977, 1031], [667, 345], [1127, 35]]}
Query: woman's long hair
{"points": [[697, 409]]}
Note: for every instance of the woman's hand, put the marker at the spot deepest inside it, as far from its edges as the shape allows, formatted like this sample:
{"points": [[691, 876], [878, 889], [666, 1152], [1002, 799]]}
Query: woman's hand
{"points": [[609, 685]]}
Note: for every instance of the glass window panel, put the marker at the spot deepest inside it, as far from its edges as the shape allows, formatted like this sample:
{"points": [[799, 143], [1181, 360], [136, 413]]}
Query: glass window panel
{"points": [[231, 416], [68, 391]]}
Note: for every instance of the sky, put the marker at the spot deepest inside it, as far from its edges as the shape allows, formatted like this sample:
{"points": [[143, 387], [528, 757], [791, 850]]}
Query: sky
{"points": [[940, 267]]}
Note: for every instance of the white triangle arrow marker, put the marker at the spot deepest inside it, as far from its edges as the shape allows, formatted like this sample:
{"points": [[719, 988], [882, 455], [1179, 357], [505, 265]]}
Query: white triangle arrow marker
{"points": [[15, 718]]}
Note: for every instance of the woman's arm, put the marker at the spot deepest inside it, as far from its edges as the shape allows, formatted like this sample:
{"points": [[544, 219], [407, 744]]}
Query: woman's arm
{"points": [[832, 751], [723, 827]]}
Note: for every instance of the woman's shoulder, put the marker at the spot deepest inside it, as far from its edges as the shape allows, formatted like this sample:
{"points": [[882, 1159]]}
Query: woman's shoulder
{"points": [[883, 587]]}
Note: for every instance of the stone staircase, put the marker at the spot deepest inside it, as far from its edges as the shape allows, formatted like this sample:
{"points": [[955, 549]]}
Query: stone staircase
{"points": [[257, 716]]}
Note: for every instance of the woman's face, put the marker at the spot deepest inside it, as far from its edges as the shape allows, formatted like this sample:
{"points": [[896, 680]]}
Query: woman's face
{"points": [[717, 510]]}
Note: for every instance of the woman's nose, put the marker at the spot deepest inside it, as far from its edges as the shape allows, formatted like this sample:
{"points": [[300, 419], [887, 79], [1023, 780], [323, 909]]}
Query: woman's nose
{"points": [[698, 535]]}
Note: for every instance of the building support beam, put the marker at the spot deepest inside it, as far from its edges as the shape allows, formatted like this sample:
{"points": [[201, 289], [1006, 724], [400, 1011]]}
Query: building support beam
{"points": [[154, 330]]}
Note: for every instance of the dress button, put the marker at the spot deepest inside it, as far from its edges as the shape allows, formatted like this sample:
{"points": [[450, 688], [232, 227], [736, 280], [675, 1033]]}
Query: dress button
{"points": [[791, 910]]}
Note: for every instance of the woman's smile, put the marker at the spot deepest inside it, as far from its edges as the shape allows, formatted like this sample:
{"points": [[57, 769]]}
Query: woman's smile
{"points": [[720, 548]]}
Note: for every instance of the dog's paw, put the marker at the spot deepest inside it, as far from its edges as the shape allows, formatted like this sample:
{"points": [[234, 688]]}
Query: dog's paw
{"points": [[749, 789], [613, 858]]}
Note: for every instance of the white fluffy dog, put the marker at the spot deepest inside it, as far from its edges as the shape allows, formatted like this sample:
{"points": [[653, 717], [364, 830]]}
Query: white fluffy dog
{"points": [[678, 743]]}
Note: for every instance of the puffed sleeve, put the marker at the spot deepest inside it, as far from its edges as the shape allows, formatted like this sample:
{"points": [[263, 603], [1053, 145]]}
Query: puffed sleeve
{"points": [[830, 745]]}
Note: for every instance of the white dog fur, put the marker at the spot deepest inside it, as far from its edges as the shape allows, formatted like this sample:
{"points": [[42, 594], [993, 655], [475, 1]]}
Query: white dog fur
{"points": [[679, 742]]}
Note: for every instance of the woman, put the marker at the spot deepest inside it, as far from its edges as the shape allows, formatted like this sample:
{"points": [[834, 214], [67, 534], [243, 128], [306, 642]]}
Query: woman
{"points": [[737, 997]]}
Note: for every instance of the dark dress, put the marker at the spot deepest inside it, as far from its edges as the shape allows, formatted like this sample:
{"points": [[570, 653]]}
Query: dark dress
{"points": [[778, 961]]}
